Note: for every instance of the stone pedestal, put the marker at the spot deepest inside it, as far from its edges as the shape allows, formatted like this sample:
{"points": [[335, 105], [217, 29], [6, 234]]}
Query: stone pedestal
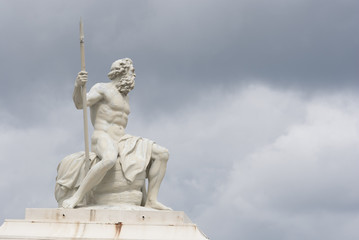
{"points": [[100, 223]]}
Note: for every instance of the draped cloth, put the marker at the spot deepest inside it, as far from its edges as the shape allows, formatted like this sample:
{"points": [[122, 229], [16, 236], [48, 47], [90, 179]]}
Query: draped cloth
{"points": [[134, 157], [71, 170]]}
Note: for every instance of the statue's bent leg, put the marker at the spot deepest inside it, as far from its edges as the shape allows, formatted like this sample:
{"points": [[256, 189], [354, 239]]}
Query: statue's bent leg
{"points": [[156, 173], [105, 148]]}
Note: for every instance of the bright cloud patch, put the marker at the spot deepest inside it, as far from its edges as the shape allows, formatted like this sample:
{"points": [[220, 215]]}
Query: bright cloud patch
{"points": [[259, 163], [302, 185]]}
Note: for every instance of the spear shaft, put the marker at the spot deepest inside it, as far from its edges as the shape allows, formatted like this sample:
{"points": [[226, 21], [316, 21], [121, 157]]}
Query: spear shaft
{"points": [[84, 99]]}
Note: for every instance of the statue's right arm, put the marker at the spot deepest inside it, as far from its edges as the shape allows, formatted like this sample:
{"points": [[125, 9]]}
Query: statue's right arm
{"points": [[94, 95]]}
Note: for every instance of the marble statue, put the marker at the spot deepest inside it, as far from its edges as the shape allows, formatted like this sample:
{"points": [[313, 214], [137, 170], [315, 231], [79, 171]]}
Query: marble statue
{"points": [[119, 163], [114, 188]]}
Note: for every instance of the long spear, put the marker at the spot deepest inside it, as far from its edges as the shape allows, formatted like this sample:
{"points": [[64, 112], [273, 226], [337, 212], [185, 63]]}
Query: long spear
{"points": [[84, 99]]}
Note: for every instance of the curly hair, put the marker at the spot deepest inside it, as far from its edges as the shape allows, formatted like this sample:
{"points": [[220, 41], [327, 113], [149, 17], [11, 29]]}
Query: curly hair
{"points": [[120, 68]]}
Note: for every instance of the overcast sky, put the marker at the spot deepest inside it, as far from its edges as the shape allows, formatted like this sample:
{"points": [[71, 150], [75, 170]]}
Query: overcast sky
{"points": [[257, 101]]}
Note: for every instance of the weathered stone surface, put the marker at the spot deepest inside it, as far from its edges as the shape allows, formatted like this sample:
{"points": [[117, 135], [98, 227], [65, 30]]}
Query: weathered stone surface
{"points": [[104, 223]]}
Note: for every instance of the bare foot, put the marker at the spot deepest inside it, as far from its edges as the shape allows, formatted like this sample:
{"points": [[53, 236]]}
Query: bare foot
{"points": [[156, 205], [70, 202]]}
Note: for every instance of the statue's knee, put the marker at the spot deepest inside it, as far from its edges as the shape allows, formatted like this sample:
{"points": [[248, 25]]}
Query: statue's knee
{"points": [[108, 163], [164, 155], [160, 153]]}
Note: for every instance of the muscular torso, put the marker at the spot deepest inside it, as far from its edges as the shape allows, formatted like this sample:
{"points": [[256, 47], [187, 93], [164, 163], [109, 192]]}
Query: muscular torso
{"points": [[109, 114]]}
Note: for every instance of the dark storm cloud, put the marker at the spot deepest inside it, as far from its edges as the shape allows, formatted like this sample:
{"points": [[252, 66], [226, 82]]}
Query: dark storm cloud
{"points": [[180, 47], [203, 41]]}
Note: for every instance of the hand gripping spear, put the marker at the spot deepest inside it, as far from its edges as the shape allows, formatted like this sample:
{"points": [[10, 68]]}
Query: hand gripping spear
{"points": [[84, 99]]}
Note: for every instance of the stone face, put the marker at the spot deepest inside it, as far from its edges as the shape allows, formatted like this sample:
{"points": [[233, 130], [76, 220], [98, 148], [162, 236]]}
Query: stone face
{"points": [[110, 223]]}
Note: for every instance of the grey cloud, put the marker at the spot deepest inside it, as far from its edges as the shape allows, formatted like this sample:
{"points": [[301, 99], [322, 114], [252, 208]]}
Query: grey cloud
{"points": [[180, 47], [299, 186], [293, 163], [215, 132], [200, 68]]}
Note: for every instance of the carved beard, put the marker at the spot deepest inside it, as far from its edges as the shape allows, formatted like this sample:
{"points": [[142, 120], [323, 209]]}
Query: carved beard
{"points": [[125, 84]]}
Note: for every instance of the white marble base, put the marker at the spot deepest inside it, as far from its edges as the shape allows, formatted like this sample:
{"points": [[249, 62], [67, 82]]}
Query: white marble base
{"points": [[105, 223]]}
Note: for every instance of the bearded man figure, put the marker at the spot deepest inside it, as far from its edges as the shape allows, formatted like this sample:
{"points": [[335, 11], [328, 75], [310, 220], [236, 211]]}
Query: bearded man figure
{"points": [[109, 107]]}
